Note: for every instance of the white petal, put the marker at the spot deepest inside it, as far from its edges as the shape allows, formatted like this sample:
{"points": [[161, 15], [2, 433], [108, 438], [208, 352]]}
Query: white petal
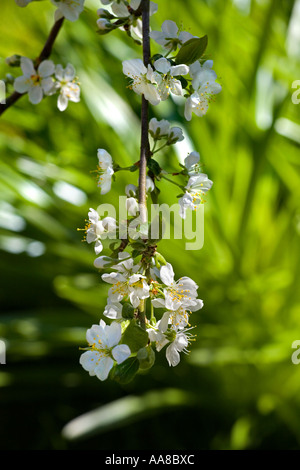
{"points": [[164, 322], [113, 310], [130, 190], [151, 94], [176, 87], [89, 360], [102, 261], [69, 73], [105, 183], [172, 355], [121, 353], [159, 127], [46, 68], [134, 68], [114, 334], [158, 37], [59, 72], [103, 369], [192, 159], [104, 158], [179, 70], [35, 94], [47, 85], [153, 8], [167, 274], [119, 9], [162, 65], [170, 29], [98, 247], [22, 84], [185, 36], [27, 67], [158, 303]]}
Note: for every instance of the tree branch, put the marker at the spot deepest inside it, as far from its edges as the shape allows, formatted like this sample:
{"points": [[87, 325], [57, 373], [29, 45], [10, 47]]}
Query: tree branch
{"points": [[45, 54], [145, 147]]}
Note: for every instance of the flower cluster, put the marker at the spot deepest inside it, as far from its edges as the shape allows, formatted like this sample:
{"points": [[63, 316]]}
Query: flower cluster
{"points": [[69, 9], [133, 280], [147, 309], [123, 14], [47, 79], [177, 76]]}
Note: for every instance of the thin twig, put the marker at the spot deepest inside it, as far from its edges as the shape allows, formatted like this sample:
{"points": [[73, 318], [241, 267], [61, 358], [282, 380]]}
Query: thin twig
{"points": [[45, 54]]}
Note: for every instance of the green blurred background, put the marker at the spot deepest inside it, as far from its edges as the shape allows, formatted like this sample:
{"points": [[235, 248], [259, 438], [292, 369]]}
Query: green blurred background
{"points": [[238, 389]]}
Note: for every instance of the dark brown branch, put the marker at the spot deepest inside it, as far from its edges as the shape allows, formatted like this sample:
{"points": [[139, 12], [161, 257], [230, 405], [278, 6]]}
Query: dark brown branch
{"points": [[145, 148], [45, 54]]}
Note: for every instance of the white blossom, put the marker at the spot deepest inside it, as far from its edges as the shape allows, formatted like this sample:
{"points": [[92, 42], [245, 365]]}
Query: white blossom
{"points": [[69, 89], [132, 206], [127, 283], [167, 83], [178, 339], [204, 86], [177, 294], [113, 310], [191, 163], [35, 82], [162, 129], [105, 170], [198, 185], [144, 79], [178, 345], [96, 228], [179, 318], [104, 349], [170, 37], [120, 8], [69, 9]]}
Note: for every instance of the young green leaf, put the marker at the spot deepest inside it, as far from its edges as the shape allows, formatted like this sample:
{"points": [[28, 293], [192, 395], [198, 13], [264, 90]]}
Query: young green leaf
{"points": [[192, 50], [125, 372], [135, 337]]}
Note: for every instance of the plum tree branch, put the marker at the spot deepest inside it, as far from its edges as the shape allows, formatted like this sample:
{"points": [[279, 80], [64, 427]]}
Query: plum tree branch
{"points": [[45, 54]]}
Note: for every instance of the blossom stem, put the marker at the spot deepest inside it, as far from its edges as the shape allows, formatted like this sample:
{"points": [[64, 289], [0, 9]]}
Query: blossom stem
{"points": [[45, 53], [160, 148], [173, 182]]}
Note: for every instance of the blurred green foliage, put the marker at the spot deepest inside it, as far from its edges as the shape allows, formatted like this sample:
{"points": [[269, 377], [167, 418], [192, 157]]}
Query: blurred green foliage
{"points": [[238, 388]]}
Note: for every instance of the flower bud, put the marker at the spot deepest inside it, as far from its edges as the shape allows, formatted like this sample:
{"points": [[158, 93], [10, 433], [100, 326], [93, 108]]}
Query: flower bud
{"points": [[13, 60], [103, 24]]}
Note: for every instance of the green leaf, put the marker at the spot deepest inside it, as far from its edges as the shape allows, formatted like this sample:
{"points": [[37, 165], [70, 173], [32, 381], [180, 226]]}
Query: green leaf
{"points": [[146, 357], [192, 50], [154, 166], [135, 337], [184, 82], [128, 311], [125, 372]]}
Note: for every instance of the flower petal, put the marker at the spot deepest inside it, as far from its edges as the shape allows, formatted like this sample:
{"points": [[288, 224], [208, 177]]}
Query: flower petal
{"points": [[121, 353], [22, 84], [113, 333], [167, 274], [170, 29], [103, 369], [27, 67], [35, 94], [46, 68]]}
